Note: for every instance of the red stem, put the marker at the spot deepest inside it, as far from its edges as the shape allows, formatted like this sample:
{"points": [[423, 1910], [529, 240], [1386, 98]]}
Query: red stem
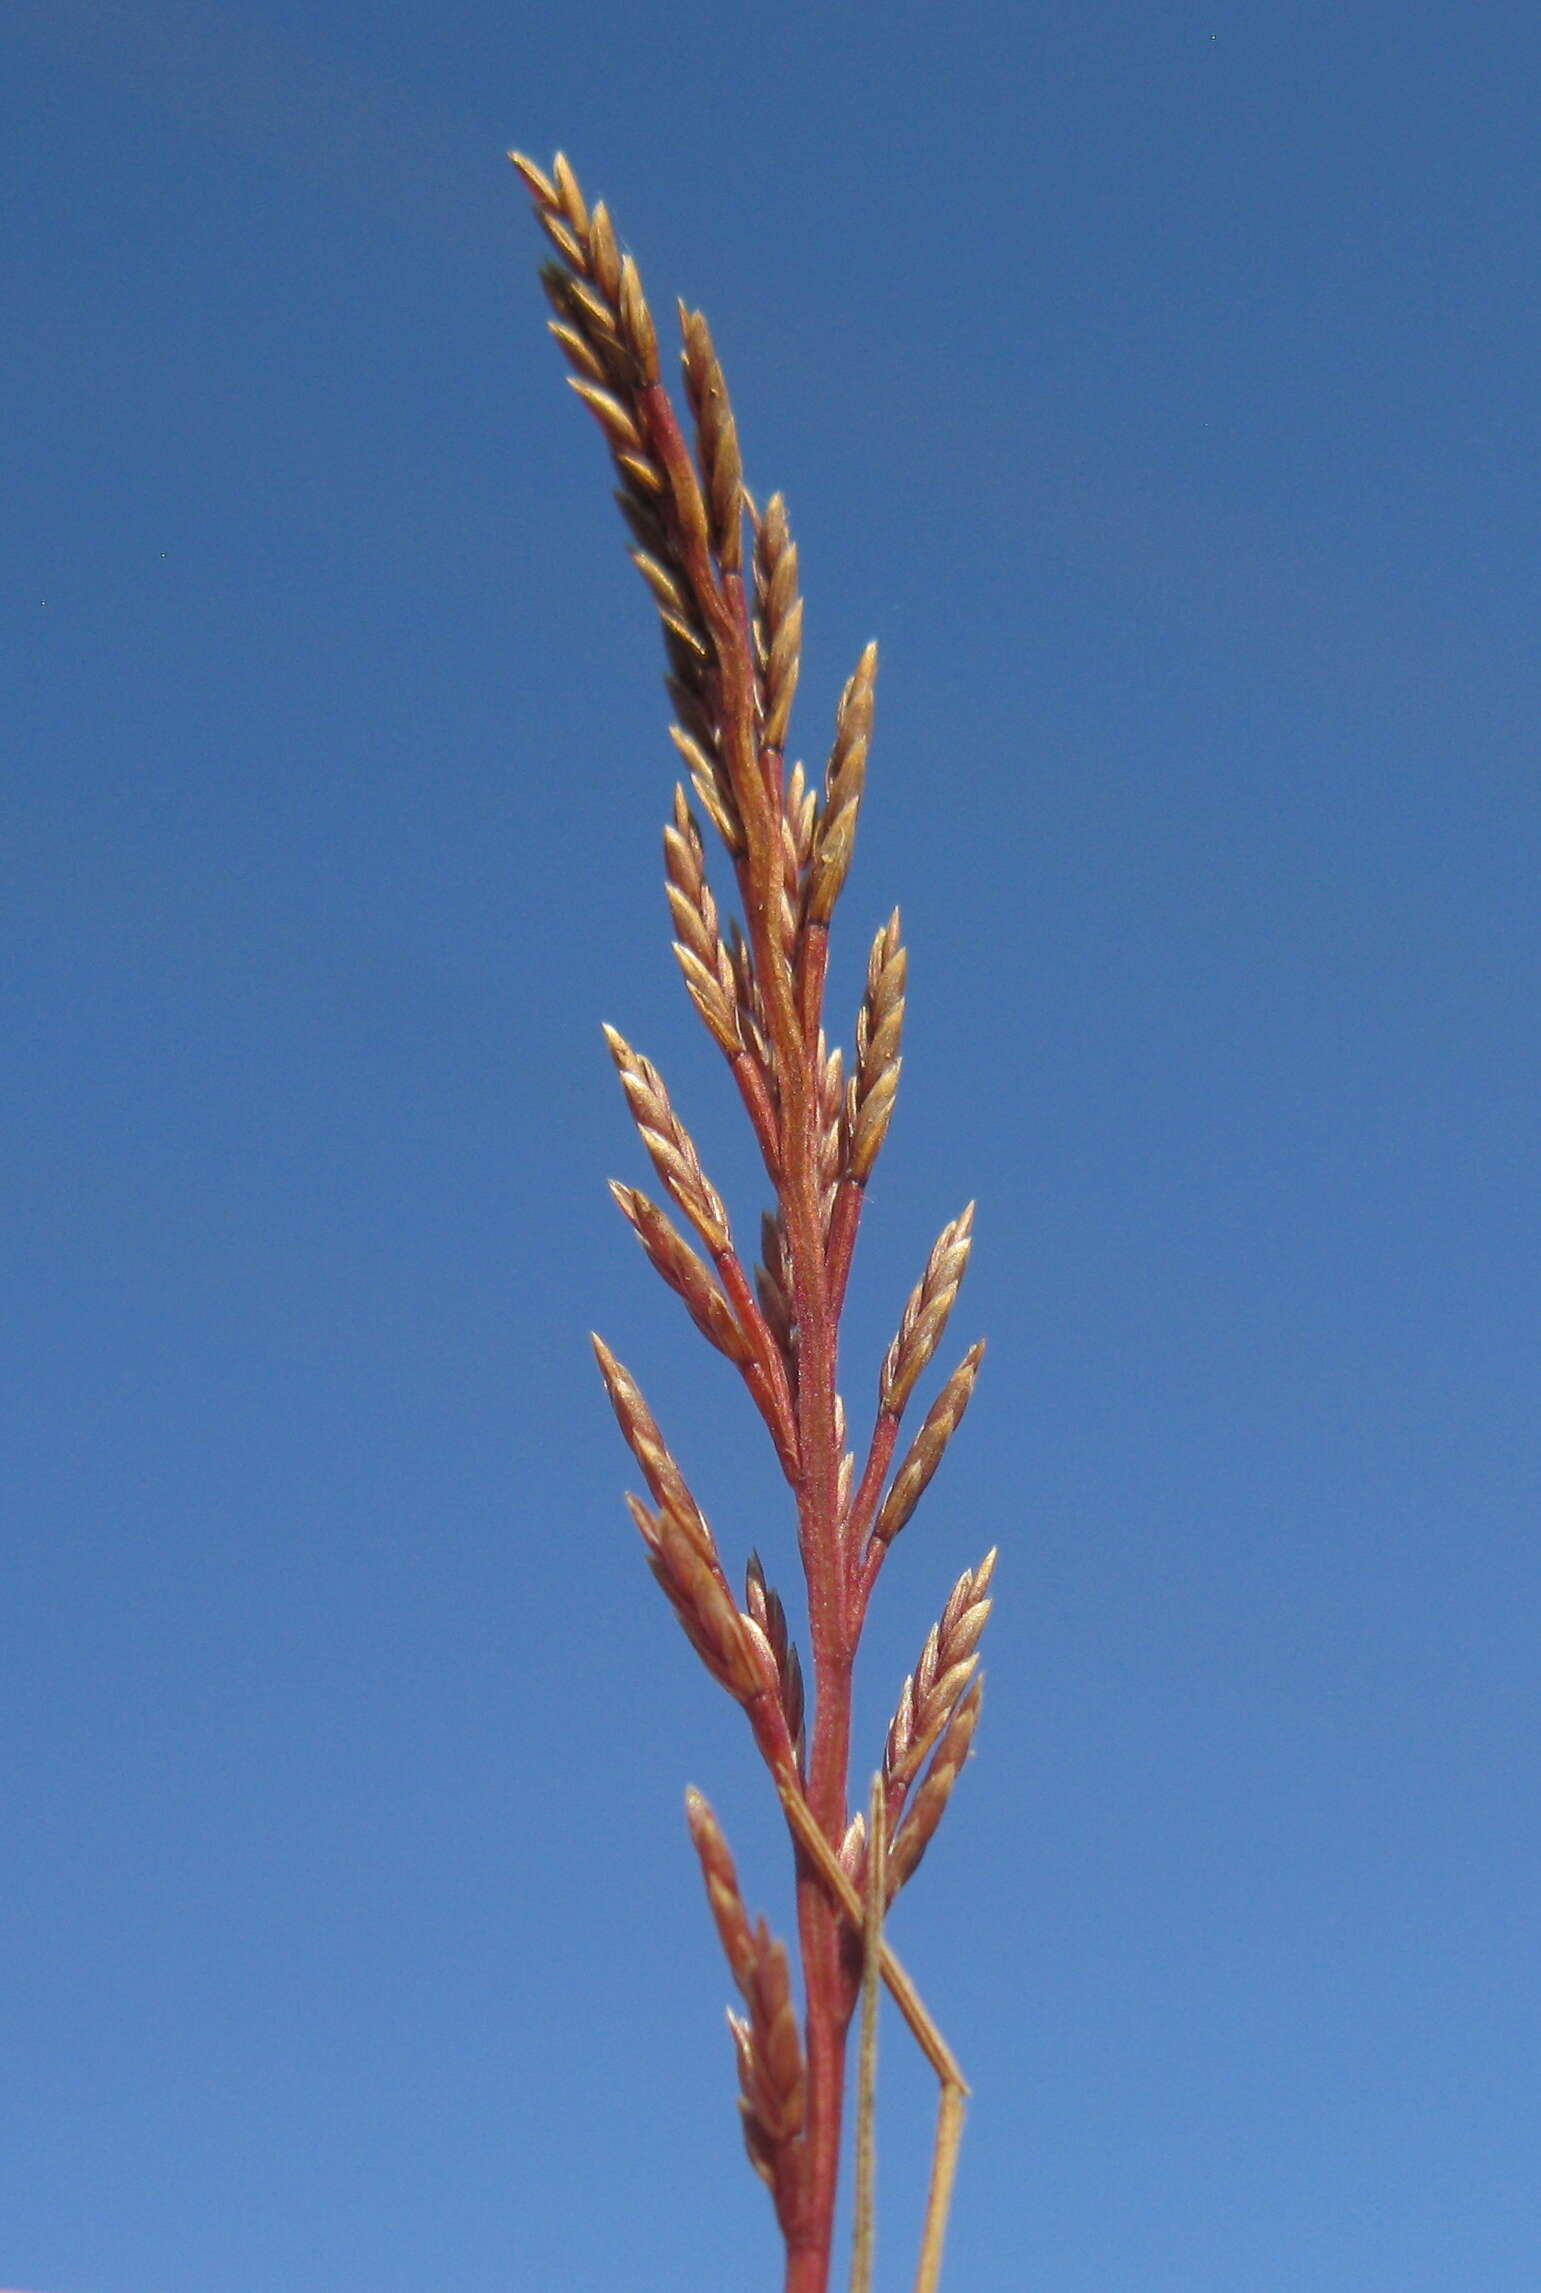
{"points": [[756, 1097], [849, 1197], [879, 1457], [829, 1559], [826, 1563], [773, 1394], [792, 1026]]}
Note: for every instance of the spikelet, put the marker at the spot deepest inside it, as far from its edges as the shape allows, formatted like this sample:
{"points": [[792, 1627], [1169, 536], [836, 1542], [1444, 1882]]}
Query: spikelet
{"points": [[703, 760], [879, 1031], [925, 1315], [772, 1282], [832, 1134], [931, 1692], [751, 1011], [772, 2079], [605, 329], [778, 620], [691, 1578], [843, 784], [925, 1452], [802, 810], [717, 439], [699, 948], [929, 1805], [669, 1252], [765, 1611], [647, 1445], [669, 1143]]}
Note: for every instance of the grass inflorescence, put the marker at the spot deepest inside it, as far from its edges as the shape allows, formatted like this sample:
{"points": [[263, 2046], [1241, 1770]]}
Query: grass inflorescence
{"points": [[723, 575]]}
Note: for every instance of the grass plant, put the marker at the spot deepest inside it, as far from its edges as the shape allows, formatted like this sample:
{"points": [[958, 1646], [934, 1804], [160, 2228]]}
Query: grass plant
{"points": [[723, 574]]}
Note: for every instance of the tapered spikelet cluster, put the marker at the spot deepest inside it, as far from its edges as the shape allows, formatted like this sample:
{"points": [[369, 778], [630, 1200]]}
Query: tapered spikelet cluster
{"points": [[765, 2040], [723, 577]]}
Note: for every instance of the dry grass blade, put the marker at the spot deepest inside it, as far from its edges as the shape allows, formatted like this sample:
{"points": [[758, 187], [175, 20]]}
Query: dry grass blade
{"points": [[944, 2171], [864, 2239], [926, 1450], [805, 1829], [954, 2086]]}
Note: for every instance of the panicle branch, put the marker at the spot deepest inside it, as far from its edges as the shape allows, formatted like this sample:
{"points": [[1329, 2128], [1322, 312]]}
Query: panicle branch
{"points": [[702, 956], [691, 1579], [652, 1452], [671, 1255], [925, 1314], [669, 1143], [927, 1808], [772, 1281], [933, 1690], [926, 1450], [772, 2077]]}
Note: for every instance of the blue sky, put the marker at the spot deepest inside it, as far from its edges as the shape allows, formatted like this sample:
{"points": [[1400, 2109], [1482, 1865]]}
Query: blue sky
{"points": [[1158, 384]]}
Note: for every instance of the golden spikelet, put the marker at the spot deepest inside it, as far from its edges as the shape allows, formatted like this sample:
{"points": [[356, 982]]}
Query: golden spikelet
{"points": [[925, 1315], [926, 1450]]}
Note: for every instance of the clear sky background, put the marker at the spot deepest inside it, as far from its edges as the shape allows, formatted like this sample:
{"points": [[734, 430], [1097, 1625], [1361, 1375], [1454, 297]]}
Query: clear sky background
{"points": [[1159, 385]]}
